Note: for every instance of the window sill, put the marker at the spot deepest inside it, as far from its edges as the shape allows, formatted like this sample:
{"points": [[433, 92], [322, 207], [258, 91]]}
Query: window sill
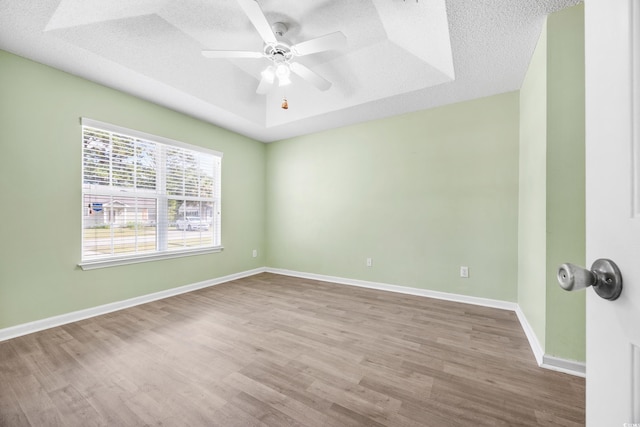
{"points": [[113, 262]]}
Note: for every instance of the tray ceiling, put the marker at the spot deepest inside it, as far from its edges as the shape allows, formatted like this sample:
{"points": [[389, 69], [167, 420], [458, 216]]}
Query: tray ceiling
{"points": [[401, 56]]}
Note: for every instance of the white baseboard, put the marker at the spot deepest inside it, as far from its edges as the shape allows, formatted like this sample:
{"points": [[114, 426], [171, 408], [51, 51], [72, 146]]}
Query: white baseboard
{"points": [[571, 367], [485, 302], [50, 322], [567, 366], [544, 361], [536, 348]]}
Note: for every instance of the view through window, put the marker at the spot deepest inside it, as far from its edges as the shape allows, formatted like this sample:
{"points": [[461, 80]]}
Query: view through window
{"points": [[144, 195]]}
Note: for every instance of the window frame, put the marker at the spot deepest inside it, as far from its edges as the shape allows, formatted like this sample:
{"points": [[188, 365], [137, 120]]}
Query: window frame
{"points": [[161, 196]]}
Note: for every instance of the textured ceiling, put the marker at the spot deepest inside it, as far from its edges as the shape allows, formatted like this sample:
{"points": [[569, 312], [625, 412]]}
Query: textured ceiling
{"points": [[400, 55]]}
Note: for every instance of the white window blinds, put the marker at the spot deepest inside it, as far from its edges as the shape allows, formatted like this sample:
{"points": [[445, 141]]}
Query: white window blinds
{"points": [[144, 195]]}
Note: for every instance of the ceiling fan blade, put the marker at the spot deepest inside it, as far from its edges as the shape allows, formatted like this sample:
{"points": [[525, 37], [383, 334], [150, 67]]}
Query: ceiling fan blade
{"points": [[310, 76], [330, 41], [268, 77], [257, 18], [231, 54]]}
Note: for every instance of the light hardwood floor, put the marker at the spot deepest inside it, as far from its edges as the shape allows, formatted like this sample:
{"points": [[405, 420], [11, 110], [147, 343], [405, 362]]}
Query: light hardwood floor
{"points": [[281, 351]]}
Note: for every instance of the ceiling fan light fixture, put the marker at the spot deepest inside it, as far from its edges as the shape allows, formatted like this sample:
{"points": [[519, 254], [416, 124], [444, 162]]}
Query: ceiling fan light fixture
{"points": [[283, 72], [284, 81], [269, 74]]}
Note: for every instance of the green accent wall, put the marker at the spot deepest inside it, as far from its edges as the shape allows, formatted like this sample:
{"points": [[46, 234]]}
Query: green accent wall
{"points": [[40, 184], [421, 194], [532, 209], [565, 334], [551, 227]]}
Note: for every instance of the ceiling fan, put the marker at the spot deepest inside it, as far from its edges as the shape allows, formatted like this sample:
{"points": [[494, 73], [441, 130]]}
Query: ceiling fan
{"points": [[281, 52]]}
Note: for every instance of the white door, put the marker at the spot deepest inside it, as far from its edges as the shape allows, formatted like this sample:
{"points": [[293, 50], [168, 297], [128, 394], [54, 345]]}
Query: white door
{"points": [[612, 31]]}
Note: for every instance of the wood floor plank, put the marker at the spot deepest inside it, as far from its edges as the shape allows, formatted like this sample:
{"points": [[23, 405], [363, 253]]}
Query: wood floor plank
{"points": [[74, 408], [356, 399], [35, 402], [11, 413], [273, 350], [280, 402], [264, 412]]}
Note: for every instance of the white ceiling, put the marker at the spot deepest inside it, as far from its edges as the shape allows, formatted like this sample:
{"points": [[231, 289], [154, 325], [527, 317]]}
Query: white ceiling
{"points": [[401, 56]]}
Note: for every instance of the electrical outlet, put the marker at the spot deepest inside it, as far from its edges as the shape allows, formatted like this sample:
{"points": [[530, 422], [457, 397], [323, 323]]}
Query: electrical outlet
{"points": [[464, 271], [255, 253], [369, 262]]}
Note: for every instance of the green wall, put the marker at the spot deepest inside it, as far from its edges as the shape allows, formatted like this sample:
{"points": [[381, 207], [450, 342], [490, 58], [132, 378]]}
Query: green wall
{"points": [[551, 227], [532, 216], [40, 172], [565, 334], [421, 194]]}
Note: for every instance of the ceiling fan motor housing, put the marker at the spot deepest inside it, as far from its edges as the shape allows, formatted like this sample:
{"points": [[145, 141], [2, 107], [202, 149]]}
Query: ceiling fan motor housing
{"points": [[278, 53], [281, 51]]}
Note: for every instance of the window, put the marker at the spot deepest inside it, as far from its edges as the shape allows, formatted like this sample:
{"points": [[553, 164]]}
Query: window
{"points": [[146, 197]]}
